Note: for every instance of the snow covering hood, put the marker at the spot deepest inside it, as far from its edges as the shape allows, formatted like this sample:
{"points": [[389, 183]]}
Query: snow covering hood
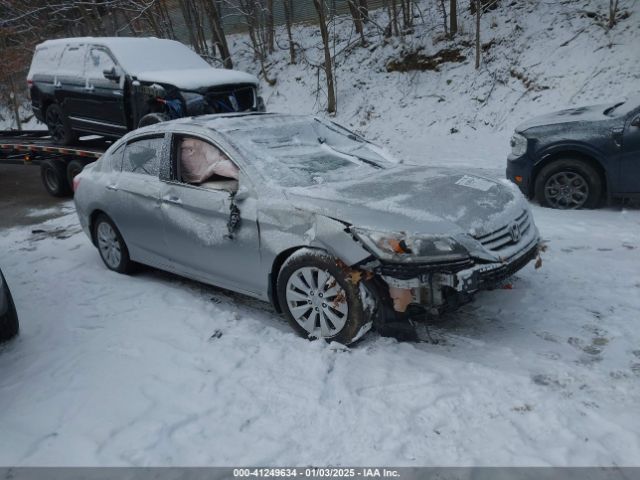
{"points": [[416, 200], [593, 113], [193, 79]]}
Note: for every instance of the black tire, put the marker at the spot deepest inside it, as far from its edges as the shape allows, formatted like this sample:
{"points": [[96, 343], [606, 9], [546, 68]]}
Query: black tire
{"points": [[123, 263], [568, 184], [152, 119], [9, 326], [54, 177], [59, 126], [358, 315], [74, 167]]}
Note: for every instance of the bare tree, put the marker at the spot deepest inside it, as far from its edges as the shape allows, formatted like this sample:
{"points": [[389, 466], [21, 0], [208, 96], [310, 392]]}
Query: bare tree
{"points": [[453, 18], [444, 17], [356, 14], [613, 10], [478, 12], [217, 32], [328, 66], [288, 14]]}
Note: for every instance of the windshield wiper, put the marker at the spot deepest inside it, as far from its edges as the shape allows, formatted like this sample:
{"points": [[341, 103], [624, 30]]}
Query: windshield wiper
{"points": [[361, 159], [611, 109]]}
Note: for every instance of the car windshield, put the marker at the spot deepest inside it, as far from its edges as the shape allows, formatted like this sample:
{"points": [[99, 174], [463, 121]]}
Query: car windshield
{"points": [[308, 151], [620, 109], [153, 54]]}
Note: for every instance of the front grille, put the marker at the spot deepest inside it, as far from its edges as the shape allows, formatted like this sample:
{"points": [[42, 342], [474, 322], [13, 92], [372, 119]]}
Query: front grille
{"points": [[492, 277], [230, 99], [502, 237], [406, 271]]}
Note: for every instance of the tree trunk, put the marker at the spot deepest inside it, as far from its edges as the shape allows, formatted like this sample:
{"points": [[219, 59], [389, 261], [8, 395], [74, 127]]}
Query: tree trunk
{"points": [[478, 10], [444, 17], [328, 68], [287, 20], [219, 37], [14, 102], [453, 18], [270, 27], [613, 10]]}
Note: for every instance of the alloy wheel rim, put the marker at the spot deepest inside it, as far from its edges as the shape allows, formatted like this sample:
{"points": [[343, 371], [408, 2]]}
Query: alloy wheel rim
{"points": [[317, 302], [109, 245], [566, 190]]}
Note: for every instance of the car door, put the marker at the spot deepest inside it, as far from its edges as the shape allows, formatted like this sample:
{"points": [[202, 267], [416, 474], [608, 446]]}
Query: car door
{"points": [[69, 83], [196, 219], [105, 96], [135, 206], [630, 157]]}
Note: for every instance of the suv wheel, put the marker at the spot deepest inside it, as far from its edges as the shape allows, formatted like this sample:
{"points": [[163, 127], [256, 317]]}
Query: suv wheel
{"points": [[568, 184], [58, 125], [319, 299]]}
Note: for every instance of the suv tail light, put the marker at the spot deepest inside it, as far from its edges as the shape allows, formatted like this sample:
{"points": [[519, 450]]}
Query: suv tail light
{"points": [[76, 183]]}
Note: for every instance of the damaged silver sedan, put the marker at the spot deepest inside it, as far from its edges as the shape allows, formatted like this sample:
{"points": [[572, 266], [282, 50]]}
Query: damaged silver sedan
{"points": [[305, 214]]}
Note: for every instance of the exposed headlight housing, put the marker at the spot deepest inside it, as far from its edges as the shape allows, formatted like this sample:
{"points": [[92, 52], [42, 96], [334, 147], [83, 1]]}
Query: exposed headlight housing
{"points": [[398, 247], [518, 144]]}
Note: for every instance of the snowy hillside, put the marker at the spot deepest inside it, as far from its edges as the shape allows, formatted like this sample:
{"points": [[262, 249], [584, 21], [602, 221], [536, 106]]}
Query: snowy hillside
{"points": [[541, 56]]}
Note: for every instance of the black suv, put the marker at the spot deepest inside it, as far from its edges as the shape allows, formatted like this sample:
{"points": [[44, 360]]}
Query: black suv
{"points": [[109, 86], [576, 158]]}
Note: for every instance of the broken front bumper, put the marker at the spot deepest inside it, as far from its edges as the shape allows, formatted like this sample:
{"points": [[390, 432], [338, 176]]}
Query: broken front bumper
{"points": [[435, 286]]}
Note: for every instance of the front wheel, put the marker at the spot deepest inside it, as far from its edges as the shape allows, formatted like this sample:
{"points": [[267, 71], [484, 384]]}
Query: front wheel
{"points": [[321, 300], [568, 184], [113, 250]]}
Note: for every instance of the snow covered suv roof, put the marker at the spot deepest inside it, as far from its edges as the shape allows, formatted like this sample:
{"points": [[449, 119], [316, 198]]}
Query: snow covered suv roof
{"points": [[149, 59]]}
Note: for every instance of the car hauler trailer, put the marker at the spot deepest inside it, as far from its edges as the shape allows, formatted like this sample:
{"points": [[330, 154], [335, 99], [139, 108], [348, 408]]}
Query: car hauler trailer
{"points": [[58, 165]]}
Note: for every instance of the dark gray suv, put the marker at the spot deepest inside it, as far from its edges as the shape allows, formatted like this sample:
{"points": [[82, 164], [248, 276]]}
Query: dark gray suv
{"points": [[579, 157], [109, 86]]}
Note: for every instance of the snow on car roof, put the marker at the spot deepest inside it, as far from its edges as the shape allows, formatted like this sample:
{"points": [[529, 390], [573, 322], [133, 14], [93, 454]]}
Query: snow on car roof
{"points": [[169, 58]]}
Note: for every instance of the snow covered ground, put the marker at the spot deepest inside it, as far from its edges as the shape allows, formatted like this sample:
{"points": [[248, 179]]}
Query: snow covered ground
{"points": [[152, 369]]}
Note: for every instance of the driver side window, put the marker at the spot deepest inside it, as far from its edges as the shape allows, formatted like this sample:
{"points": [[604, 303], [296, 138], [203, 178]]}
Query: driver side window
{"points": [[202, 163]]}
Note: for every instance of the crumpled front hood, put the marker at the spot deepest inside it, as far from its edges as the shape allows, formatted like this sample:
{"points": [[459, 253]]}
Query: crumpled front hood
{"points": [[193, 79], [592, 113], [417, 200]]}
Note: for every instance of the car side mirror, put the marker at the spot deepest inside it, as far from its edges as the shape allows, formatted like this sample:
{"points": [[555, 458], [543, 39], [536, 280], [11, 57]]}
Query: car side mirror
{"points": [[111, 74], [635, 122]]}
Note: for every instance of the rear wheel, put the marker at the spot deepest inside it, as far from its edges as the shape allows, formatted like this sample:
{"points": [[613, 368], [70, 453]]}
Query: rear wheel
{"points": [[113, 250], [320, 300], [54, 178], [568, 184], [59, 126]]}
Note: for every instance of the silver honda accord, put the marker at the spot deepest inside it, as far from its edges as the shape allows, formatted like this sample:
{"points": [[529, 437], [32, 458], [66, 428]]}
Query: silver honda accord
{"points": [[305, 214]]}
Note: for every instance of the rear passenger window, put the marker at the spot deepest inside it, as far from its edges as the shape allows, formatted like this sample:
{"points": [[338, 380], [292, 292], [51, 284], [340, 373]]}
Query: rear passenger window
{"points": [[143, 156], [72, 61]]}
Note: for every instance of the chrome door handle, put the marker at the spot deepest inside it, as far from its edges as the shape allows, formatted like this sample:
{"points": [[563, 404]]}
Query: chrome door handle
{"points": [[89, 89], [172, 199], [112, 187]]}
